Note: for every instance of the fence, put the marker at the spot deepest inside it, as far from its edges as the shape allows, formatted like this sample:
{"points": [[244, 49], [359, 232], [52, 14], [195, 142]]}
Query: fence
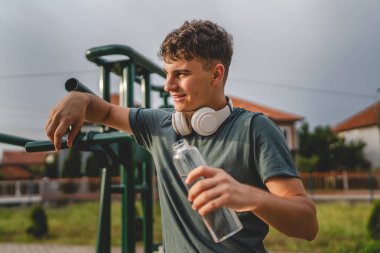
{"points": [[321, 187], [45, 189], [363, 185]]}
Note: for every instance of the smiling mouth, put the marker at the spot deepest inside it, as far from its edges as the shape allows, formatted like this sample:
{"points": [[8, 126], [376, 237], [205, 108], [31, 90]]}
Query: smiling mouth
{"points": [[178, 98]]}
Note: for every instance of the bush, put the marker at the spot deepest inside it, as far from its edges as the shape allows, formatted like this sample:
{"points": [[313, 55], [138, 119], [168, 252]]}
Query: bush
{"points": [[39, 227], [374, 221], [69, 187], [372, 247], [72, 164], [92, 167]]}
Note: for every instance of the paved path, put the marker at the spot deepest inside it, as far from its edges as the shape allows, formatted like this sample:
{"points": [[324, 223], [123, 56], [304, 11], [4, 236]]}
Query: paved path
{"points": [[51, 248], [56, 248]]}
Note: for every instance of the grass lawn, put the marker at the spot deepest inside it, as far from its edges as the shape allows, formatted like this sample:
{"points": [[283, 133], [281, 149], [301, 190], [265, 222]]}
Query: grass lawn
{"points": [[342, 227]]}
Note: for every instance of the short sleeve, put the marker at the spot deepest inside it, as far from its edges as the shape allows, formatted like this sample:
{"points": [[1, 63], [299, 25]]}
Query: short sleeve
{"points": [[146, 123], [271, 153]]}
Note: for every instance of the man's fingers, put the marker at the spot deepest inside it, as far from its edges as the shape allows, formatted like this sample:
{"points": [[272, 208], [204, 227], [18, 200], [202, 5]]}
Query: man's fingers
{"points": [[206, 196], [202, 171], [73, 133], [211, 205], [201, 186], [50, 129], [58, 134]]}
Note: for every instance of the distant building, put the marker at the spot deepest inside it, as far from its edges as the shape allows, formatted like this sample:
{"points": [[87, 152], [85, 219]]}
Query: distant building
{"points": [[16, 164], [285, 120], [364, 126]]}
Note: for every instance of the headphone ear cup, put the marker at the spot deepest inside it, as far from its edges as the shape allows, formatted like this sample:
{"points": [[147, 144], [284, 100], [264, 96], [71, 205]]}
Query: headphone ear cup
{"points": [[204, 122], [180, 124]]}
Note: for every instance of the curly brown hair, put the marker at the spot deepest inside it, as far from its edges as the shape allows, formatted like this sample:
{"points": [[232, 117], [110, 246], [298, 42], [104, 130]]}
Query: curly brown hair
{"points": [[198, 38]]}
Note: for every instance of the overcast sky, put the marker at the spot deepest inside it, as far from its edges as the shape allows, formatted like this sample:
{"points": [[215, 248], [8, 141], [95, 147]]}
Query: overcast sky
{"points": [[316, 58]]}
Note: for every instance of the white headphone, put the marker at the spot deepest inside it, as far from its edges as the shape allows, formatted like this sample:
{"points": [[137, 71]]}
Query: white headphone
{"points": [[205, 121]]}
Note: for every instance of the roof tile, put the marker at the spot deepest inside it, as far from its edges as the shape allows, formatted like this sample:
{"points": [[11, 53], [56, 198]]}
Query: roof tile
{"points": [[23, 158], [274, 114], [368, 117]]}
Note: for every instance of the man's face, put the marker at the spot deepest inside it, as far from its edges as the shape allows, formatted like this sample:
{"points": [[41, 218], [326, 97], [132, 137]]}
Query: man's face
{"points": [[189, 84]]}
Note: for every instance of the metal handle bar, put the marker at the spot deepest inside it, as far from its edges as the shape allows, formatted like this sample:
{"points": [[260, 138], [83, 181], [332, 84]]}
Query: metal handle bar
{"points": [[95, 54], [14, 140], [82, 140], [73, 84]]}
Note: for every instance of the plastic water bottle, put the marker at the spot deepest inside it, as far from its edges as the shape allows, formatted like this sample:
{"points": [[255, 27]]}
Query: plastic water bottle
{"points": [[223, 222]]}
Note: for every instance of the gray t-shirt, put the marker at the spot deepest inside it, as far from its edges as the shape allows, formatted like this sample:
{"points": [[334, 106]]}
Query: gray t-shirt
{"points": [[247, 145]]}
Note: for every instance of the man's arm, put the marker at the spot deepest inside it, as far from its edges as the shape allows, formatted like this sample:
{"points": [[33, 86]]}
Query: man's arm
{"points": [[285, 207], [77, 107]]}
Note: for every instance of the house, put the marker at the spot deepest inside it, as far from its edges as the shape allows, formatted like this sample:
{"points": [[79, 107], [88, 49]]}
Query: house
{"points": [[285, 120], [364, 126], [16, 164]]}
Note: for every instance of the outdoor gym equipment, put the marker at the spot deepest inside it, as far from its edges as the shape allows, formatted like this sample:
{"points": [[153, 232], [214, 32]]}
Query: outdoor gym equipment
{"points": [[111, 147]]}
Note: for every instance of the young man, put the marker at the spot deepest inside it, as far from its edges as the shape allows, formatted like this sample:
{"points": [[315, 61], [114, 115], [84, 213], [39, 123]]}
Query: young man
{"points": [[250, 167]]}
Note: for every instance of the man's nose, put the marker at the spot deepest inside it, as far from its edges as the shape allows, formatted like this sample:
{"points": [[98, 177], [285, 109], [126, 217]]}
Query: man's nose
{"points": [[170, 84]]}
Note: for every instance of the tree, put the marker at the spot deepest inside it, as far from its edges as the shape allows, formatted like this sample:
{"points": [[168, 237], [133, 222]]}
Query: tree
{"points": [[333, 152], [307, 164], [72, 164], [71, 169], [92, 167], [51, 165]]}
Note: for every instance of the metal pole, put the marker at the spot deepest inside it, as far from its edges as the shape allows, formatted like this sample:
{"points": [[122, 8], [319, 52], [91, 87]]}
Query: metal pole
{"points": [[127, 168], [147, 203], [14, 140], [73, 84], [145, 91], [104, 228], [129, 74], [104, 83], [128, 198]]}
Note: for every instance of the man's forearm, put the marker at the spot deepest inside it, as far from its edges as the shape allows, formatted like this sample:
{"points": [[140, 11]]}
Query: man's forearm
{"points": [[294, 216], [97, 109]]}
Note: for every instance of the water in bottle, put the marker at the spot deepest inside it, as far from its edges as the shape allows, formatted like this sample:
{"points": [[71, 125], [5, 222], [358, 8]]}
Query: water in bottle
{"points": [[223, 222]]}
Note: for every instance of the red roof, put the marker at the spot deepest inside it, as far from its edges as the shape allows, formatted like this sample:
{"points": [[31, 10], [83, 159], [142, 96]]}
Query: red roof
{"points": [[273, 114], [24, 158], [10, 172], [370, 116]]}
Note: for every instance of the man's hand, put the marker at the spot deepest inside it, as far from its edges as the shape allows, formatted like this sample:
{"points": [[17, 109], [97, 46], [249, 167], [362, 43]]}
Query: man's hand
{"points": [[70, 112], [286, 206], [216, 189]]}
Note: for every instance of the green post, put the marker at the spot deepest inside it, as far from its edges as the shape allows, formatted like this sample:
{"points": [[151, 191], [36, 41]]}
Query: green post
{"points": [[127, 170], [104, 229], [104, 83], [129, 75], [128, 198], [145, 91], [147, 204]]}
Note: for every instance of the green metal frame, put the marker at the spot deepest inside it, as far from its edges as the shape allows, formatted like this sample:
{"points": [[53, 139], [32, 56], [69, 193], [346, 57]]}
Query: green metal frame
{"points": [[136, 69], [136, 166]]}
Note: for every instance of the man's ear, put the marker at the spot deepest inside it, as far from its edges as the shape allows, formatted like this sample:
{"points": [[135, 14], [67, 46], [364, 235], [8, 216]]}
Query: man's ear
{"points": [[218, 73]]}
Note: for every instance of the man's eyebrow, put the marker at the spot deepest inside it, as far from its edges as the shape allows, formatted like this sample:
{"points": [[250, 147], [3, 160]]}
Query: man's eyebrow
{"points": [[178, 71], [182, 71]]}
